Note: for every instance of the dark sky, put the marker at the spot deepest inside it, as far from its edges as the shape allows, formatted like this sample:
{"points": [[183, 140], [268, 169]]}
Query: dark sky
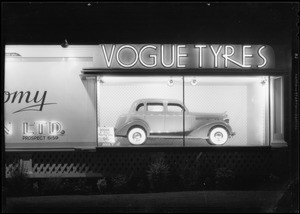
{"points": [[81, 23]]}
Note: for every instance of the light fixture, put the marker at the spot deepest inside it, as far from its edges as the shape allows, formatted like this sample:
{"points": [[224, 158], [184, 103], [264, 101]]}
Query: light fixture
{"points": [[101, 80], [194, 81], [170, 82], [264, 81], [65, 44]]}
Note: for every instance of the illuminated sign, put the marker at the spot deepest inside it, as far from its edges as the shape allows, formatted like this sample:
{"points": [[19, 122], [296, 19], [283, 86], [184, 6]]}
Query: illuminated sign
{"points": [[198, 56], [38, 130]]}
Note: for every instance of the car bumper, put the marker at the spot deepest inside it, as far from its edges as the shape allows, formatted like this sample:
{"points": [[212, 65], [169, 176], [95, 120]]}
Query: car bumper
{"points": [[232, 134]]}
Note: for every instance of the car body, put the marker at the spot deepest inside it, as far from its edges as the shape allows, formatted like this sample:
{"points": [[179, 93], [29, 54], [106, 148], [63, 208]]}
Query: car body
{"points": [[164, 118]]}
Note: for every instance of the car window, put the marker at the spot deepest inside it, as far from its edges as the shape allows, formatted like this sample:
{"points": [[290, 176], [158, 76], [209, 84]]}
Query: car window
{"points": [[174, 107], [140, 107], [156, 107]]}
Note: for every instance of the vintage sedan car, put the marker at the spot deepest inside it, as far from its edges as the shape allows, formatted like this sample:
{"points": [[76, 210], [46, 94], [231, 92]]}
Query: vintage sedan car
{"points": [[166, 118]]}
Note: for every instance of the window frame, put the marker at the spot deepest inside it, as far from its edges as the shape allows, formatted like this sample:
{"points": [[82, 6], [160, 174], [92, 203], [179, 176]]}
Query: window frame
{"points": [[270, 139], [175, 104], [155, 104], [277, 139]]}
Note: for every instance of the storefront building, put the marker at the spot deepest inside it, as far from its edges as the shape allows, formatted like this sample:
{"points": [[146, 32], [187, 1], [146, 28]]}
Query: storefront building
{"points": [[87, 110]]}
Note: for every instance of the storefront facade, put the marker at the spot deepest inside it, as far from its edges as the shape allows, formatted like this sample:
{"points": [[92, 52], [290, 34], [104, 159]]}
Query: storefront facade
{"points": [[86, 110], [148, 96]]}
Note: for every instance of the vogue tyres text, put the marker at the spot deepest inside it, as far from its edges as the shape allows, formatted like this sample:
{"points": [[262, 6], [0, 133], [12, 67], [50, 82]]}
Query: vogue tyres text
{"points": [[185, 56]]}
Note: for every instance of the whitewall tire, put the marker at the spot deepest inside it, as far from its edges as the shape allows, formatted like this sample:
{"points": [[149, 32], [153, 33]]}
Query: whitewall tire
{"points": [[218, 136], [137, 136]]}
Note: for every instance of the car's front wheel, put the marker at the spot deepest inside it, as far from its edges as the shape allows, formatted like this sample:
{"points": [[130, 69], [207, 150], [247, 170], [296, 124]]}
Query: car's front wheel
{"points": [[217, 136], [137, 136]]}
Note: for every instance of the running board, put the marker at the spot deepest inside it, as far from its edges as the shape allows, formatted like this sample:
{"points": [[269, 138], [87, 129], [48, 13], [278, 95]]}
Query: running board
{"points": [[174, 137]]}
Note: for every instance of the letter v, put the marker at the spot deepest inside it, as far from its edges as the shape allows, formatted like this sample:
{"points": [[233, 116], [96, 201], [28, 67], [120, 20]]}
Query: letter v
{"points": [[108, 61]]}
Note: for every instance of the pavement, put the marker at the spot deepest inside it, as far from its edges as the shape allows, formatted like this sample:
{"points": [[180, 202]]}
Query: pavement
{"points": [[170, 202]]}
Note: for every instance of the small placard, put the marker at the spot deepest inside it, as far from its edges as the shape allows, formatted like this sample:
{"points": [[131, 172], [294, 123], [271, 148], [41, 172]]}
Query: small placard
{"points": [[106, 136]]}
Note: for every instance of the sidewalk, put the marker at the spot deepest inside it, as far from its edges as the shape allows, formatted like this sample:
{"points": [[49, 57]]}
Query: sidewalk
{"points": [[198, 201]]}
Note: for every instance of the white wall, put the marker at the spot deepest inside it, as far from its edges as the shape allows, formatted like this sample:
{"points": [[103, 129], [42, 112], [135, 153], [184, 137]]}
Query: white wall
{"points": [[51, 69]]}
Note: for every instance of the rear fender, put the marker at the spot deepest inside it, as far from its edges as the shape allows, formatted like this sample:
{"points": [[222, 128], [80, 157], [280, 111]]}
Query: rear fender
{"points": [[122, 131]]}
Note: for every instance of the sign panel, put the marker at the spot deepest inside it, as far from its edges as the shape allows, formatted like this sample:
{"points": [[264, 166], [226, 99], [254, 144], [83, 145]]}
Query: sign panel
{"points": [[106, 136], [184, 56], [46, 103]]}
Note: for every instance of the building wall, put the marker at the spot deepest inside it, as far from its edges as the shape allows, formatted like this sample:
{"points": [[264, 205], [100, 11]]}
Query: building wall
{"points": [[68, 99]]}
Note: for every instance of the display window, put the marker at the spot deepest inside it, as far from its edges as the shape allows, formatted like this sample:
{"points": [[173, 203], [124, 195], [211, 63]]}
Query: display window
{"points": [[189, 111]]}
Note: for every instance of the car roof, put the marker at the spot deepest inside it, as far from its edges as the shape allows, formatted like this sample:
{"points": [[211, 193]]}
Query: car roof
{"points": [[146, 100], [153, 100]]}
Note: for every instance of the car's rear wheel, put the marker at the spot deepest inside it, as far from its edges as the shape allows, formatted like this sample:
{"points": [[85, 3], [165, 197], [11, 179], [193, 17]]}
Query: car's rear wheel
{"points": [[217, 136], [137, 136]]}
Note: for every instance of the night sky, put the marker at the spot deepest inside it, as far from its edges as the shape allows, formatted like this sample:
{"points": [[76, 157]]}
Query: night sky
{"points": [[96, 23]]}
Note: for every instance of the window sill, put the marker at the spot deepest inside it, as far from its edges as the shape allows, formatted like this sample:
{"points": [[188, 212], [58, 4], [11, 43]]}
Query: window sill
{"points": [[279, 144]]}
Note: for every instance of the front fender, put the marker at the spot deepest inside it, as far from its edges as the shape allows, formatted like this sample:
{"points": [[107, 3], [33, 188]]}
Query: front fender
{"points": [[202, 131], [123, 130]]}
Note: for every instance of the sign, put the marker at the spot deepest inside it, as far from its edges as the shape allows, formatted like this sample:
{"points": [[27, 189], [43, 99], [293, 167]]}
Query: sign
{"points": [[46, 103], [36, 131], [35, 100], [106, 136], [183, 56]]}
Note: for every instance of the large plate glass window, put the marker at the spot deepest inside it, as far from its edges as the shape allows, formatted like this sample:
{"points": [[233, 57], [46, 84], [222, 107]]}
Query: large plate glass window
{"points": [[189, 111]]}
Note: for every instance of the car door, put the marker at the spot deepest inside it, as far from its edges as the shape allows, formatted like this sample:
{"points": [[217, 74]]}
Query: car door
{"points": [[174, 118], [155, 116]]}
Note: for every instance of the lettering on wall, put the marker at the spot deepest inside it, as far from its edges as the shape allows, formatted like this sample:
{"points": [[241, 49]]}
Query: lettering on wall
{"points": [[36, 131], [35, 100], [185, 56]]}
